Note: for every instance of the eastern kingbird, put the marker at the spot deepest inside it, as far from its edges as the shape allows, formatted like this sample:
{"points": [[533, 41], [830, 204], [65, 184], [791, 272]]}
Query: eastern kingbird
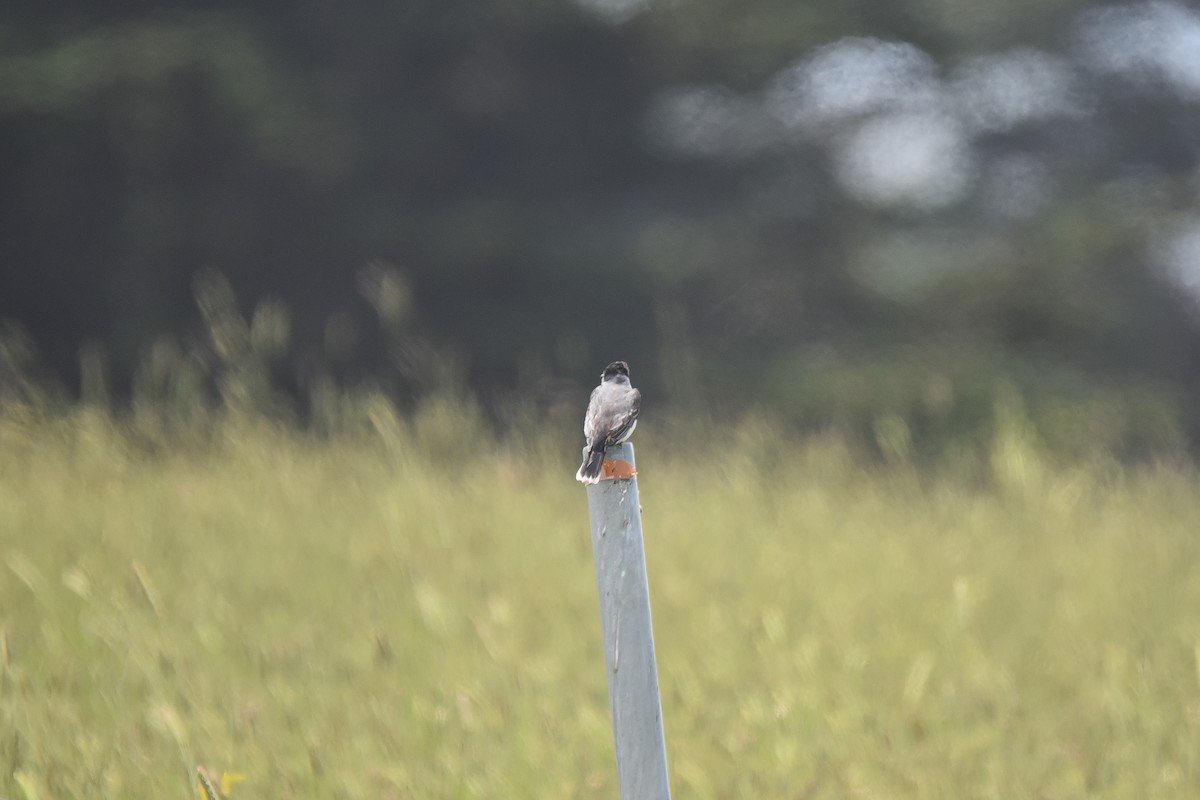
{"points": [[611, 417]]}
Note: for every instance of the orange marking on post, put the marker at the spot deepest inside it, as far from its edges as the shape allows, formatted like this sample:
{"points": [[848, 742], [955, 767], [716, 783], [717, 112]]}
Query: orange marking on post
{"points": [[617, 470]]}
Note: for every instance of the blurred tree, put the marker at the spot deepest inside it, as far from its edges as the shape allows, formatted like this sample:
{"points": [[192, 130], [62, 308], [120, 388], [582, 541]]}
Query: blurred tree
{"points": [[855, 210]]}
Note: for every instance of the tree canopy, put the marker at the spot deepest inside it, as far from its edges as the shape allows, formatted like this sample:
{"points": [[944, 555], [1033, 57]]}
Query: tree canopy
{"points": [[834, 211]]}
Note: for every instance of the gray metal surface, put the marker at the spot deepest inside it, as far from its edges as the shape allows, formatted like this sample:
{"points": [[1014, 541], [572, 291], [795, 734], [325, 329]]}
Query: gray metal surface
{"points": [[628, 635]]}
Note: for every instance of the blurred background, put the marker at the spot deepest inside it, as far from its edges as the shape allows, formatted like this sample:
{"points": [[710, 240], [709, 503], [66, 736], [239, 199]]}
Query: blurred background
{"points": [[300, 306], [876, 215]]}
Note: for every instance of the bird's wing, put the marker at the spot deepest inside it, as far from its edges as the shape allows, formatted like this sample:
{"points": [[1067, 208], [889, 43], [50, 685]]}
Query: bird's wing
{"points": [[591, 419], [623, 416]]}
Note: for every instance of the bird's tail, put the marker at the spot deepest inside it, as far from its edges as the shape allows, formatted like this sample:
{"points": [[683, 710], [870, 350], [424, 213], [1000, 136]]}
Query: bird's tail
{"points": [[593, 463]]}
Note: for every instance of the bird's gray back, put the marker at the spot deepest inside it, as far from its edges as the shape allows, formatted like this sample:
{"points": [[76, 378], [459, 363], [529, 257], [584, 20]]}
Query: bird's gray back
{"points": [[608, 409]]}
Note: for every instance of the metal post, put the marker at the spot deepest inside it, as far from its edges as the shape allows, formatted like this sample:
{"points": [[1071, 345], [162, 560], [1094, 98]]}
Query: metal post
{"points": [[628, 635]]}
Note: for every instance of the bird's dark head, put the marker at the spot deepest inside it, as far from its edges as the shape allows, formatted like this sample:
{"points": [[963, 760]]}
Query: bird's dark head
{"points": [[617, 369]]}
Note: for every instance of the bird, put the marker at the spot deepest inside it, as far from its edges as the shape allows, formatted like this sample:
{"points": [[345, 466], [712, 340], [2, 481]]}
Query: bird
{"points": [[611, 416]]}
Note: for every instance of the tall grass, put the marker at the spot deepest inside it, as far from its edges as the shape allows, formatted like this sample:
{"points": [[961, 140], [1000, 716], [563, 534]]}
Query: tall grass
{"points": [[404, 606]]}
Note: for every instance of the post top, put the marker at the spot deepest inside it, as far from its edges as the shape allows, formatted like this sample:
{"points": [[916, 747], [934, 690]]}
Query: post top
{"points": [[619, 463]]}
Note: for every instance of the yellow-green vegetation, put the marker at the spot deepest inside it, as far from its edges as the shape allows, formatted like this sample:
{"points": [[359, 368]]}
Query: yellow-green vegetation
{"points": [[398, 613]]}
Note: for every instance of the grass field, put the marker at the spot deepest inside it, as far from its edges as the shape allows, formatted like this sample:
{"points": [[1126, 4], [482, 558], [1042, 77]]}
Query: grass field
{"points": [[385, 616]]}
